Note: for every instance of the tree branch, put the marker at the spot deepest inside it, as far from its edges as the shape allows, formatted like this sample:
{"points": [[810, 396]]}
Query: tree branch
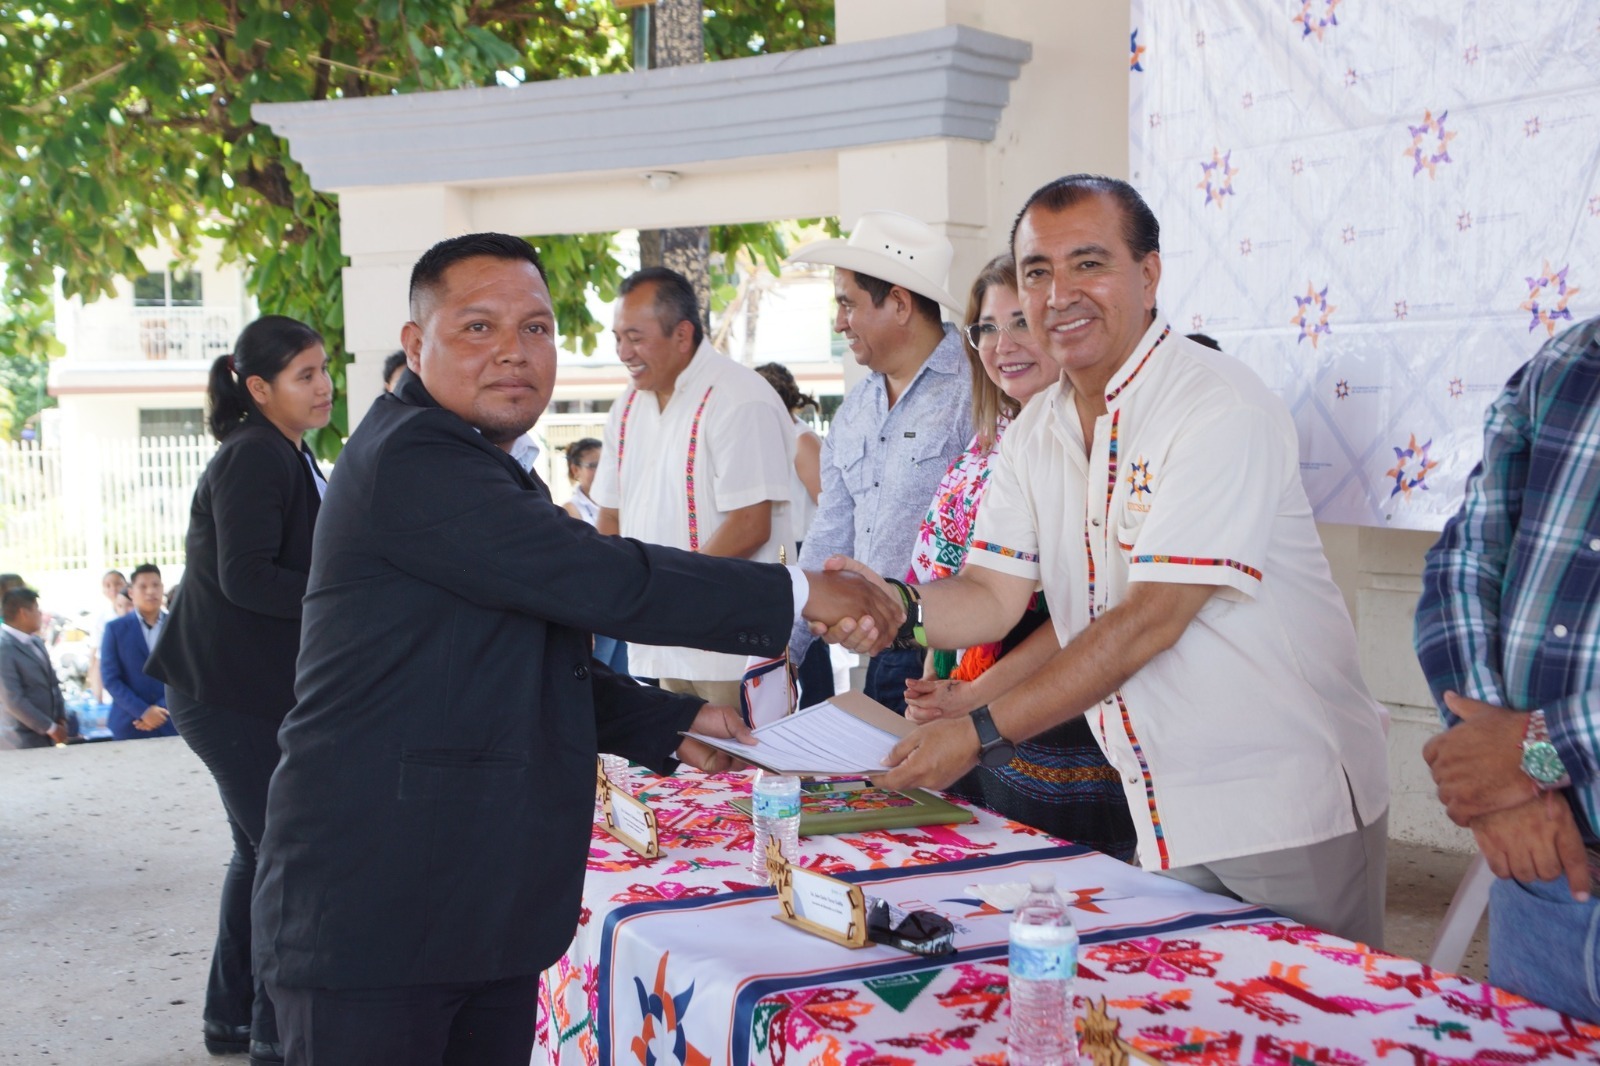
{"points": [[39, 107]]}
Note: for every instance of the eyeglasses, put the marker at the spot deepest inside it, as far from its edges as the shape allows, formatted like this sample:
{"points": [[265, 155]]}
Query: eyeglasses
{"points": [[587, 466], [983, 336]]}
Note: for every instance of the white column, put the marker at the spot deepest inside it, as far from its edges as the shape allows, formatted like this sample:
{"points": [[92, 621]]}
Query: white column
{"points": [[383, 231]]}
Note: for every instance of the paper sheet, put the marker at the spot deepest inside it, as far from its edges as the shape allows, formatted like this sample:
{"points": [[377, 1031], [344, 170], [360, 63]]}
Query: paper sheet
{"points": [[821, 739]]}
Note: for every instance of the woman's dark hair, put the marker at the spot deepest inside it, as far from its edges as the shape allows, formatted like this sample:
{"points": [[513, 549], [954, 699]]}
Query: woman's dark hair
{"points": [[576, 449], [788, 390], [266, 346]]}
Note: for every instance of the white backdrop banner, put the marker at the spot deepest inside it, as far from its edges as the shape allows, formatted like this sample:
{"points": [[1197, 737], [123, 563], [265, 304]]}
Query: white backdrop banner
{"points": [[1384, 209]]}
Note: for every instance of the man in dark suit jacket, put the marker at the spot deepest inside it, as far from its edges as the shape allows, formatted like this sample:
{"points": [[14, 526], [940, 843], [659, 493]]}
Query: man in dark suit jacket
{"points": [[30, 695], [427, 826], [138, 701]]}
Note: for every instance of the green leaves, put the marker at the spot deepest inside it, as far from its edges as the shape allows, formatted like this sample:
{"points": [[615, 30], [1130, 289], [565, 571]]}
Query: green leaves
{"points": [[126, 123]]}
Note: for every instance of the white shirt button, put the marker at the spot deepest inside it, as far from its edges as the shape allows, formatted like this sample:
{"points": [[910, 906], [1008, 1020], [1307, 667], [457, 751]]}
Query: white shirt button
{"points": [[1560, 631], [1594, 545], [1132, 779]]}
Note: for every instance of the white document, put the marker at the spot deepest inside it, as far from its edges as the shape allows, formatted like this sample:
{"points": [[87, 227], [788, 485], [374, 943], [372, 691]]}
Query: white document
{"points": [[820, 740]]}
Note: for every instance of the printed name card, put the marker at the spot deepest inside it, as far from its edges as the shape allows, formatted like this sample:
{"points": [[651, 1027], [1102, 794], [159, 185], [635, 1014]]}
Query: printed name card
{"points": [[820, 905], [628, 818]]}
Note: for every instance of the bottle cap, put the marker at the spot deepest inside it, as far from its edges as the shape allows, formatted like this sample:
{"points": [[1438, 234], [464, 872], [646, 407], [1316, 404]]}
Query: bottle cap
{"points": [[1042, 881]]}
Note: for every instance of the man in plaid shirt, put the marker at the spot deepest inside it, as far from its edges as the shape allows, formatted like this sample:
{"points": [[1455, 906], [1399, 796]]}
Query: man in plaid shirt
{"points": [[1508, 634]]}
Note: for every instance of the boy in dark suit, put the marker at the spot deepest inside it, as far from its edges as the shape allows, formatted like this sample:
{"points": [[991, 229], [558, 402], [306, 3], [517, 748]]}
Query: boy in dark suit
{"points": [[30, 695], [138, 701]]}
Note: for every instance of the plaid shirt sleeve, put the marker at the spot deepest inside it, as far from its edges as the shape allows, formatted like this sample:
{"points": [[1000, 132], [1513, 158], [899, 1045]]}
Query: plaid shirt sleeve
{"points": [[1457, 630]]}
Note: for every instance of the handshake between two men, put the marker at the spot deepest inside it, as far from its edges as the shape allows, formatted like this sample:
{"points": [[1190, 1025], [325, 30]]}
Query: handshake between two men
{"points": [[850, 605]]}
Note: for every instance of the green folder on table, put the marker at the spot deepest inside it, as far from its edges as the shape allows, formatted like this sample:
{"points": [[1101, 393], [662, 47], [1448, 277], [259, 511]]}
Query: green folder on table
{"points": [[828, 807]]}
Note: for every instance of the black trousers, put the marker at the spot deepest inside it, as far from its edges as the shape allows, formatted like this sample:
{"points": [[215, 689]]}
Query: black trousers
{"points": [[241, 751], [486, 1023]]}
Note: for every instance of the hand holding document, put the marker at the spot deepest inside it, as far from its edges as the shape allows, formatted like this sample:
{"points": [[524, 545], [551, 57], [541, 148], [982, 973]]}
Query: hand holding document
{"points": [[849, 734]]}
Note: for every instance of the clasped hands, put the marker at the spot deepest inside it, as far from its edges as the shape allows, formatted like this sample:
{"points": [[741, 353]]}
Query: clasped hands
{"points": [[852, 606], [1523, 833]]}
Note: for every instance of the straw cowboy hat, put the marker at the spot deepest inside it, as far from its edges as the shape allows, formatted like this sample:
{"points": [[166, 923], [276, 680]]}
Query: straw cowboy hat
{"points": [[893, 247]]}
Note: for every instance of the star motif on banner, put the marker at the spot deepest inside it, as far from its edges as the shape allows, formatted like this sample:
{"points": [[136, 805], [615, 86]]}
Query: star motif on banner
{"points": [[1549, 308], [1296, 165], [1349, 235], [1400, 309], [1341, 389], [1457, 388], [1137, 52], [1312, 312], [1411, 468], [1464, 221], [1199, 38], [1196, 322], [1216, 177], [1316, 16], [1426, 156], [1247, 101], [1244, 246], [1530, 128], [1155, 119], [1350, 77], [1470, 56]]}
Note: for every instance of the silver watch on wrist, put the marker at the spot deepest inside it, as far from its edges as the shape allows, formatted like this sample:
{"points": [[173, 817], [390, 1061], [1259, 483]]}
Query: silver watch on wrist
{"points": [[1540, 759]]}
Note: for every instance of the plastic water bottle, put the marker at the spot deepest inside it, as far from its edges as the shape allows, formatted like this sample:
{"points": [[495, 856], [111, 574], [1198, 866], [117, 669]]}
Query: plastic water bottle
{"points": [[775, 808], [1043, 963]]}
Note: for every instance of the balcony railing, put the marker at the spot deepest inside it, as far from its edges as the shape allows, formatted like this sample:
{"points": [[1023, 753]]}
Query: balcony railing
{"points": [[197, 334]]}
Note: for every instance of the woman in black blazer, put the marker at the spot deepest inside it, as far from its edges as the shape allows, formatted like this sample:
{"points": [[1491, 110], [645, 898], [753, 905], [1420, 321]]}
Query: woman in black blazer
{"points": [[227, 653]]}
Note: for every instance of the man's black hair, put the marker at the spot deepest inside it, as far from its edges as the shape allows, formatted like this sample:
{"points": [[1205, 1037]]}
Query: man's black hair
{"points": [[1140, 230], [16, 600], [877, 291], [392, 362], [675, 300], [429, 270], [144, 568]]}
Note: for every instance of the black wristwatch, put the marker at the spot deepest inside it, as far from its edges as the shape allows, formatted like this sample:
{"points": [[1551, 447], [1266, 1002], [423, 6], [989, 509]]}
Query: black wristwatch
{"points": [[994, 750]]}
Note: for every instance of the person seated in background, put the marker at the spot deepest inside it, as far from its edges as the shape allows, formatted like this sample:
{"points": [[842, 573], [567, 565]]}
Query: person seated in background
{"points": [[583, 459], [138, 701], [393, 363], [30, 694], [1059, 781]]}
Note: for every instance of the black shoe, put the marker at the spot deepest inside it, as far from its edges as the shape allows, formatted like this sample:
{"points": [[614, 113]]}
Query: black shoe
{"points": [[266, 1053], [224, 1039]]}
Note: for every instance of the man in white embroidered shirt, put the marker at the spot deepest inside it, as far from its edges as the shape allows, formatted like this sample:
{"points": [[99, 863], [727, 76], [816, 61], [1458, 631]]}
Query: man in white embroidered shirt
{"points": [[697, 455], [1155, 495]]}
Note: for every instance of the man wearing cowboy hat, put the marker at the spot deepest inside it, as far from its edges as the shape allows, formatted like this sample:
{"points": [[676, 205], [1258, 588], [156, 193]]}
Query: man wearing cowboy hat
{"points": [[896, 431]]}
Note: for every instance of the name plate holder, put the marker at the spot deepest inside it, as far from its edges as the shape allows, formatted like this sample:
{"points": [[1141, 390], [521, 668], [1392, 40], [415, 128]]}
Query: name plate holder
{"points": [[816, 903], [628, 818]]}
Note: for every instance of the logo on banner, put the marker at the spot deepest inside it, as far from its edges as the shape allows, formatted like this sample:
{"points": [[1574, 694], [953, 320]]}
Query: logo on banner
{"points": [[1430, 144], [1312, 312], [1217, 177], [1316, 16], [1547, 299], [1458, 388], [1341, 390], [1411, 468], [1137, 51]]}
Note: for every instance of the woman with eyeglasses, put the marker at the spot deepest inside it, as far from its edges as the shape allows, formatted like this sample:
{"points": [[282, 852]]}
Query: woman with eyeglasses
{"points": [[583, 459], [1060, 781]]}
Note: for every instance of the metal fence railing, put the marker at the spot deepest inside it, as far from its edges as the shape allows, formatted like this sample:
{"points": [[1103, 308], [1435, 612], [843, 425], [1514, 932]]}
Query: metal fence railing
{"points": [[113, 504]]}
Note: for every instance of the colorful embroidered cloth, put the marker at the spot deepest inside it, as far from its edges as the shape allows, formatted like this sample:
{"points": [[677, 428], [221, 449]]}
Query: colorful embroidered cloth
{"points": [[1267, 993], [677, 961]]}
